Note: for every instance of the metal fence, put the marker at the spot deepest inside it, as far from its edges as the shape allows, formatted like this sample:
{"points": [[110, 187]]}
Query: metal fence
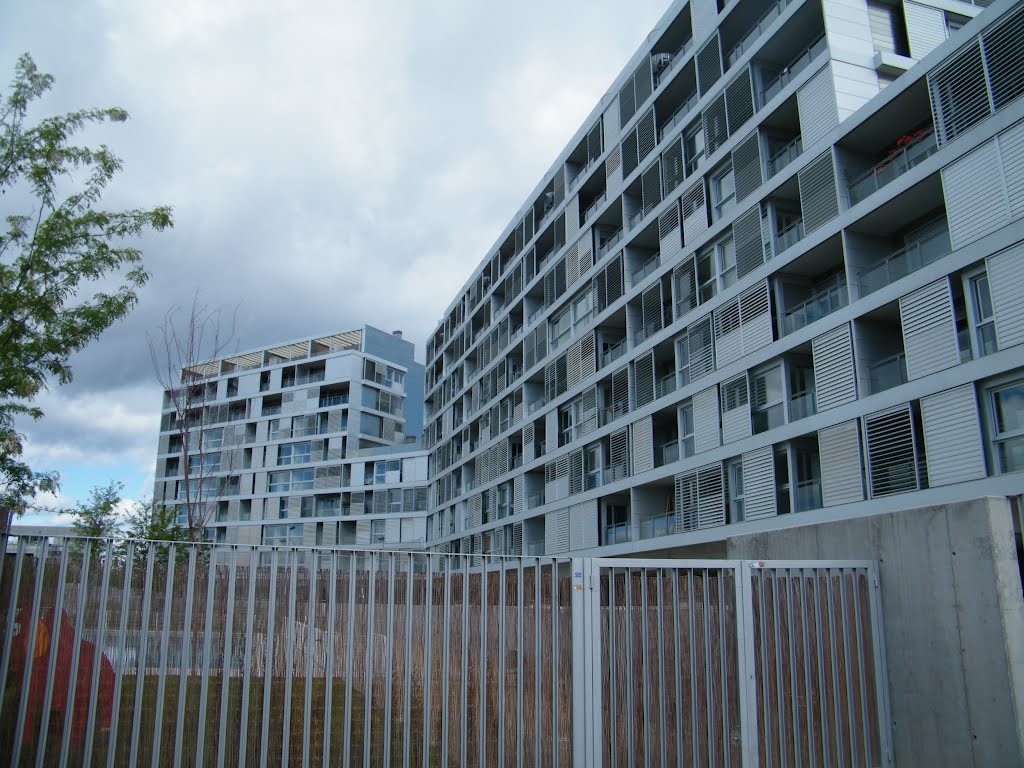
{"points": [[149, 654]]}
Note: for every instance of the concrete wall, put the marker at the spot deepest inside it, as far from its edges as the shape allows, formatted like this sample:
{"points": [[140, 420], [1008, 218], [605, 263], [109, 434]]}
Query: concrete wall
{"points": [[953, 614]]}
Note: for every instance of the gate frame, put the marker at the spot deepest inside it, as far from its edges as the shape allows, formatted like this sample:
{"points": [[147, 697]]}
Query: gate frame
{"points": [[587, 693]]}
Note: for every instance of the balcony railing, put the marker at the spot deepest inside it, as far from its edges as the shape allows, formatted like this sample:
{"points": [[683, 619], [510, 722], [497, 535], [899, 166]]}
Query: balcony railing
{"points": [[887, 373], [649, 266], [614, 352], [803, 405], [594, 206], [535, 500], [666, 454], [769, 16], [784, 156], [612, 413], [616, 534], [808, 495], [931, 247], [789, 236], [677, 57], [775, 84], [665, 385], [326, 402], [613, 473], [818, 306], [657, 526], [892, 167], [608, 244], [648, 330], [678, 116]]}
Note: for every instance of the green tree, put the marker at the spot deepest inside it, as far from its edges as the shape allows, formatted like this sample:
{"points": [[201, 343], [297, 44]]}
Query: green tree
{"points": [[98, 516], [153, 522], [58, 248]]}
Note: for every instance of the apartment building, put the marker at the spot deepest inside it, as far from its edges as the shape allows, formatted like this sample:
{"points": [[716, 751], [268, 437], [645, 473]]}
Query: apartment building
{"points": [[311, 442], [775, 279]]}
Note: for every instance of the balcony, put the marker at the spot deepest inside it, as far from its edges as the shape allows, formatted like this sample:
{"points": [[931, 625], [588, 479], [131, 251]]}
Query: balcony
{"points": [[677, 57], [808, 495], [608, 244], [666, 454], [614, 473], [770, 15], [327, 402], [535, 500], [612, 413], [915, 150], [665, 385], [816, 307], [649, 266], [657, 526], [887, 373], [592, 208], [802, 405], [614, 352], [789, 236], [784, 156], [648, 330], [774, 85], [616, 534], [931, 247], [677, 117]]}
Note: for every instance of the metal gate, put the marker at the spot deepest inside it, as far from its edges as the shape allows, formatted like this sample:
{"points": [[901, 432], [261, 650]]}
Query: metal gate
{"points": [[136, 653], [730, 663]]}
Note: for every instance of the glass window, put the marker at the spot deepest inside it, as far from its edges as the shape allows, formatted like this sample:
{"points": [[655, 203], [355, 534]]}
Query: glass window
{"points": [[984, 319], [1008, 427], [734, 394], [683, 362], [377, 532], [616, 524], [294, 453], [734, 478], [693, 145], [727, 261], [723, 192], [213, 438], [302, 479], [686, 431], [707, 283], [768, 410]]}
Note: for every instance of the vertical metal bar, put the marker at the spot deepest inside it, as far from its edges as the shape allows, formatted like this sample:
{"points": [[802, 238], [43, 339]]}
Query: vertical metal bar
{"points": [[165, 637], [56, 624], [592, 571], [661, 664], [805, 619], [329, 671], [186, 655], [859, 628], [537, 609], [289, 653], [12, 612], [126, 590], [694, 730], [449, 564], [845, 633], [250, 618], [346, 753], [389, 643], [69, 699], [555, 625], [268, 662], [764, 710], [371, 609], [579, 692], [520, 622], [678, 667], [794, 712], [313, 570], [779, 685], [745, 665], [832, 644], [821, 670], [204, 681], [612, 724], [407, 682], [482, 705], [428, 609], [37, 595], [724, 667], [645, 666], [464, 699], [628, 623], [881, 681], [97, 656], [228, 664], [143, 653], [709, 688], [501, 661]]}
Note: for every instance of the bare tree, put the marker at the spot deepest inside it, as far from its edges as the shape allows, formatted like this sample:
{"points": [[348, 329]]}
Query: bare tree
{"points": [[185, 350]]}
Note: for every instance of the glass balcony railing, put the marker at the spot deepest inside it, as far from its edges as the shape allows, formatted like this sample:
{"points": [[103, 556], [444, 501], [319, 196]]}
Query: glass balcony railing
{"points": [[613, 473], [609, 243], [789, 236], [616, 534], [649, 266], [657, 526], [535, 500], [648, 330], [808, 495], [592, 208], [666, 454], [775, 83], [887, 373], [678, 116], [931, 247], [614, 352], [677, 57], [665, 385], [818, 306], [905, 157], [784, 156], [770, 15], [802, 405]]}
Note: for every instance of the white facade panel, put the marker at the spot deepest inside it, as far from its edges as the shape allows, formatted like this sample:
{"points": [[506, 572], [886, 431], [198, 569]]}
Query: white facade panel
{"points": [[929, 330], [975, 196], [583, 525], [952, 436]]}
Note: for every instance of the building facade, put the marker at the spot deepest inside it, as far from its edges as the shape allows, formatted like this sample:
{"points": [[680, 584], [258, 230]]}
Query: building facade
{"points": [[775, 279], [313, 442]]}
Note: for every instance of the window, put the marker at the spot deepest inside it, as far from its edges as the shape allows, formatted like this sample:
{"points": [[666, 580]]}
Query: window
{"points": [[294, 453], [693, 145], [734, 479], [801, 386], [213, 438], [204, 465], [302, 479], [723, 192], [984, 319], [616, 524], [686, 431], [591, 466], [782, 495], [377, 532], [726, 250], [707, 282], [734, 394], [768, 410], [683, 361], [306, 506], [282, 507], [560, 327], [304, 425], [1007, 406], [583, 308], [282, 535]]}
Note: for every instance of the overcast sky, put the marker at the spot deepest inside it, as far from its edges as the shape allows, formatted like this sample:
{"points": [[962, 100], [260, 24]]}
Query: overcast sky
{"points": [[329, 162]]}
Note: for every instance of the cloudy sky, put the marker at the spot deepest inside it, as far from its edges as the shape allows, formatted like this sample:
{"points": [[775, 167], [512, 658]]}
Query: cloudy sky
{"points": [[329, 162]]}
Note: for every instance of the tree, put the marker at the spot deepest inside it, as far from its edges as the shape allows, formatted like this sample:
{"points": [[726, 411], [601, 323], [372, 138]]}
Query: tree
{"points": [[59, 245], [153, 522], [98, 517], [184, 351]]}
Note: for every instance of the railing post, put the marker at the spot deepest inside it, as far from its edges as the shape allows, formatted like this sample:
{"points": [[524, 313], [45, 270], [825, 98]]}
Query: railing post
{"points": [[746, 676], [586, 674]]}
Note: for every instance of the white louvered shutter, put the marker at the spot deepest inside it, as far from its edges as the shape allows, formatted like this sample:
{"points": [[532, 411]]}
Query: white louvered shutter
{"points": [[952, 436], [839, 455], [976, 201], [735, 409], [642, 434], [835, 380], [706, 432], [816, 102], [710, 496], [1005, 276], [759, 483], [929, 330], [643, 369]]}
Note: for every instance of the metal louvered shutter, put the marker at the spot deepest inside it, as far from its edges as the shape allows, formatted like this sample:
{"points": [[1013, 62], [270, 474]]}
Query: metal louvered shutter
{"points": [[646, 135], [929, 330], [735, 409], [746, 166], [556, 532], [892, 456], [728, 340], [618, 455], [588, 355], [706, 432], [835, 380], [1004, 57], [574, 373], [695, 216], [959, 94], [755, 317], [819, 199], [686, 501], [642, 439], [952, 436], [1005, 276], [576, 472], [650, 303], [630, 158], [643, 379], [840, 459], [583, 525], [650, 187], [620, 393], [759, 484], [588, 418], [976, 201], [926, 28], [684, 287], [816, 103], [709, 63], [739, 101], [670, 235], [1011, 155], [643, 81], [710, 496], [613, 170], [716, 129], [627, 102], [672, 168], [551, 430], [700, 348]]}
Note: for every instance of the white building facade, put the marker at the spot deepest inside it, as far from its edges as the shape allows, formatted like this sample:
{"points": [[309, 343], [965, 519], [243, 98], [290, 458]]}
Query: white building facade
{"points": [[303, 443], [775, 279]]}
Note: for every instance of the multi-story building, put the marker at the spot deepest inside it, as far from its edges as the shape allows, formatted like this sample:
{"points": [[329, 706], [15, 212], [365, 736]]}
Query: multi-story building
{"points": [[309, 442], [774, 279]]}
